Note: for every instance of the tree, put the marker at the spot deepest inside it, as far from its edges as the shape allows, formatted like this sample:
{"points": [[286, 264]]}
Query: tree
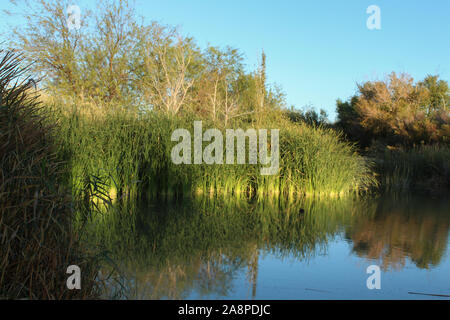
{"points": [[166, 72], [223, 69], [438, 96], [89, 62], [115, 59], [52, 50], [308, 116], [397, 111], [107, 72]]}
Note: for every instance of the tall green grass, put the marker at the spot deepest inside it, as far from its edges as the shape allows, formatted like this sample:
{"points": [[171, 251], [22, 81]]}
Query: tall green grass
{"points": [[316, 161], [130, 152], [37, 241], [424, 169]]}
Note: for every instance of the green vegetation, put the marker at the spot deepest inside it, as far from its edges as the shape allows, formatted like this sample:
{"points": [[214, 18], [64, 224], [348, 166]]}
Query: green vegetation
{"points": [[114, 59], [114, 93], [119, 93], [405, 128], [37, 241], [424, 169], [96, 143], [121, 85], [132, 156]]}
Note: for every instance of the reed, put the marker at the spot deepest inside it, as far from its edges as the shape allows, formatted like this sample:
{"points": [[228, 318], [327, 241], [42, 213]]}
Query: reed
{"points": [[37, 241], [424, 169], [131, 151]]}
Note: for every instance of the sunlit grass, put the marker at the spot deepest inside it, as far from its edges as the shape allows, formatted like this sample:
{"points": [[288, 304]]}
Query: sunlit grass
{"points": [[131, 152]]}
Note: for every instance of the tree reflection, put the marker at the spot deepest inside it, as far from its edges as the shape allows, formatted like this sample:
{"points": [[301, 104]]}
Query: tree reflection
{"points": [[414, 229]]}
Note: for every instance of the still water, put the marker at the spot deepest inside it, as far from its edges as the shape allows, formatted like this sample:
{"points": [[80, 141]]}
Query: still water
{"points": [[311, 249]]}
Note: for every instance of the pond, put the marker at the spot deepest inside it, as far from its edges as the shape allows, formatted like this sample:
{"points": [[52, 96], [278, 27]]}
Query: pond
{"points": [[213, 248]]}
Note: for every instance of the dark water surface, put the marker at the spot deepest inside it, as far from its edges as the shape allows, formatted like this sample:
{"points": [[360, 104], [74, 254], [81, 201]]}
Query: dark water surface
{"points": [[311, 249]]}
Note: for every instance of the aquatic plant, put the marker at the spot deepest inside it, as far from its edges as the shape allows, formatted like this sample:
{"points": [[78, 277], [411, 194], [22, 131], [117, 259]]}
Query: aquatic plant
{"points": [[425, 169], [133, 152]]}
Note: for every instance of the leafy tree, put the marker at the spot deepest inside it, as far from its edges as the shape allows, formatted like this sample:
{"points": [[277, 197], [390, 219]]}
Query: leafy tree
{"points": [[116, 59], [50, 46], [309, 116], [397, 111], [166, 68]]}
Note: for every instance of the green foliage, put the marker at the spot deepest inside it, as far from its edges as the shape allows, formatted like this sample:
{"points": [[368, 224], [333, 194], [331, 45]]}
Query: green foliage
{"points": [[116, 90], [133, 151], [310, 117], [425, 169], [319, 162], [37, 242], [115, 59]]}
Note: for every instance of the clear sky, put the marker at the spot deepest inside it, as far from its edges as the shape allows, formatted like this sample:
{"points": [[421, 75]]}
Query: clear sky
{"points": [[316, 50]]}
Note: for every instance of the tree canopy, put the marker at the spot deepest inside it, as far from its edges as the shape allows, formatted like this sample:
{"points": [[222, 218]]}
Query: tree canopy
{"points": [[115, 58], [398, 111]]}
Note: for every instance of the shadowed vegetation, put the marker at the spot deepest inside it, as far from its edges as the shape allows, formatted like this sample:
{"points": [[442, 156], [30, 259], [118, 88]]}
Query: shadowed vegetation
{"points": [[424, 169], [37, 241]]}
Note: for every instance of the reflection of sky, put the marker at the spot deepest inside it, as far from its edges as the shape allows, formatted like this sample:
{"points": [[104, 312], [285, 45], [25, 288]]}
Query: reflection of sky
{"points": [[339, 274]]}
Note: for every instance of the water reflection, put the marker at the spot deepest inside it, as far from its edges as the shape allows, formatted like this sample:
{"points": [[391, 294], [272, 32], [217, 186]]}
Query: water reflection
{"points": [[416, 229], [208, 247]]}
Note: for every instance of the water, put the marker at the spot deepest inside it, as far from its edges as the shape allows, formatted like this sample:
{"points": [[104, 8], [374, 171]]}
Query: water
{"points": [[314, 249]]}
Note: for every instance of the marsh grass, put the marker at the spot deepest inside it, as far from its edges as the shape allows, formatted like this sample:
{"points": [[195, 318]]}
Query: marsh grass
{"points": [[132, 152], [424, 169], [37, 241]]}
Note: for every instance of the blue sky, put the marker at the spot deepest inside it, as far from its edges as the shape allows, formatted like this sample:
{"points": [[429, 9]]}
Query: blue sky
{"points": [[316, 50]]}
